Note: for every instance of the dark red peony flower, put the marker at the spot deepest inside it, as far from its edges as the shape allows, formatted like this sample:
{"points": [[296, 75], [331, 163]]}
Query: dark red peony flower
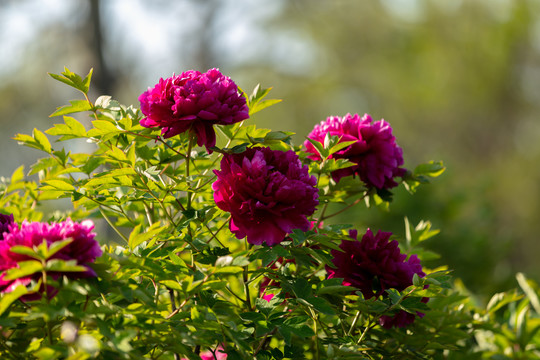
{"points": [[377, 156], [5, 222], [84, 248], [269, 193], [195, 102], [374, 265]]}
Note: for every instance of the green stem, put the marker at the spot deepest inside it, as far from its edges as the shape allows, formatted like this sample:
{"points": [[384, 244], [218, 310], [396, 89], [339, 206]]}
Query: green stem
{"points": [[353, 325], [113, 226], [344, 209], [321, 217], [173, 309], [214, 235], [316, 339], [188, 160], [47, 323], [246, 288], [370, 326]]}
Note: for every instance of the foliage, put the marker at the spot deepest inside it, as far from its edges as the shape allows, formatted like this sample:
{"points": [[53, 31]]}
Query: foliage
{"points": [[176, 283]]}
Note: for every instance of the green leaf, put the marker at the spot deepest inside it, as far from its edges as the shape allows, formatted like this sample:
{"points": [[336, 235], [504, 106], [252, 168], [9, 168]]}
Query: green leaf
{"points": [[172, 284], [529, 291], [136, 237], [324, 153], [260, 105], [76, 106], [57, 246], [25, 268], [60, 185], [42, 140], [38, 140], [501, 299], [9, 298], [104, 129], [71, 129], [255, 102], [431, 169], [70, 78], [421, 232], [64, 266], [229, 270], [340, 146], [301, 330], [25, 250], [321, 305], [252, 316], [301, 288], [335, 289], [18, 175]]}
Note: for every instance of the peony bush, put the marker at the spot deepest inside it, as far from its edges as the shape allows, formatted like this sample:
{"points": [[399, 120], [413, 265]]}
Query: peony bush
{"points": [[190, 233]]}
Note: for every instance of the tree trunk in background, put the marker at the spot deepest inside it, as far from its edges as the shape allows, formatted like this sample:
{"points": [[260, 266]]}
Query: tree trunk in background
{"points": [[103, 79]]}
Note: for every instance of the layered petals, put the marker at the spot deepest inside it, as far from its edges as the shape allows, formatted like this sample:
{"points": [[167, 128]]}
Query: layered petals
{"points": [[194, 102], [269, 193], [373, 265], [377, 157], [84, 249]]}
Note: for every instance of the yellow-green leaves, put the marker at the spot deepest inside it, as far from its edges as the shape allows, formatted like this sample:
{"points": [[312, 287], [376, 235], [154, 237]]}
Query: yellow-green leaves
{"points": [[75, 81], [38, 140], [71, 129], [256, 102]]}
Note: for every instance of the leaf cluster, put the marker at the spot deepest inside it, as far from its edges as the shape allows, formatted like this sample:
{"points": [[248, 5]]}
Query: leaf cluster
{"points": [[174, 282]]}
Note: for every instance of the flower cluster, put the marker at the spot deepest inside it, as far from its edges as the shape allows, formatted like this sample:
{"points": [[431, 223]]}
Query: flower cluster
{"points": [[377, 156], [83, 248], [194, 102], [374, 265], [269, 193]]}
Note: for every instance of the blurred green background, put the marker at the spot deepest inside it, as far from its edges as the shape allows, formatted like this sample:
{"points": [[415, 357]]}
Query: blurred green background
{"points": [[459, 81]]}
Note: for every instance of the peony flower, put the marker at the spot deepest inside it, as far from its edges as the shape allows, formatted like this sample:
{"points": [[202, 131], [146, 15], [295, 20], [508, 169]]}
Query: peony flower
{"points": [[269, 193], [5, 222], [194, 102], [374, 265], [220, 354], [377, 156], [84, 249]]}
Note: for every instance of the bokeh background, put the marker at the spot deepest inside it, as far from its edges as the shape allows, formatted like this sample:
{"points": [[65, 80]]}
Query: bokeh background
{"points": [[459, 81]]}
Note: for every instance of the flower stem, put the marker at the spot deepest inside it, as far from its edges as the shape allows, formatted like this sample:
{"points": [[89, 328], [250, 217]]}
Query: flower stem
{"points": [[353, 325], [344, 209], [173, 309], [45, 286], [112, 225], [188, 160], [246, 288]]}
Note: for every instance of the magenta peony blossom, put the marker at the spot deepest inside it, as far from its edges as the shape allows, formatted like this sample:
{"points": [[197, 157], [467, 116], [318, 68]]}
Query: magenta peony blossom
{"points": [[269, 193], [374, 265], [193, 102], [84, 248], [220, 354], [377, 156], [5, 222]]}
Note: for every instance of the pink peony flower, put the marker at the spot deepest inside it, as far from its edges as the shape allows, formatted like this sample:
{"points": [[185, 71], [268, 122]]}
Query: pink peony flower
{"points": [[374, 265], [84, 248], [5, 222], [269, 193], [208, 355], [377, 156], [193, 102]]}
